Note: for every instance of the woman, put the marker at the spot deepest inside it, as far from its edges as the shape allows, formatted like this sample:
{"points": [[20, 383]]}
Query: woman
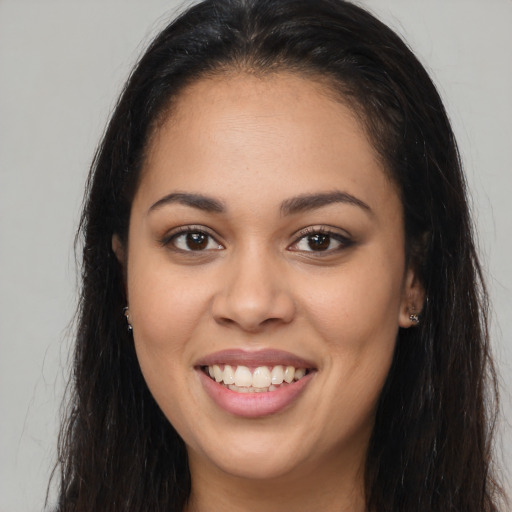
{"points": [[278, 211]]}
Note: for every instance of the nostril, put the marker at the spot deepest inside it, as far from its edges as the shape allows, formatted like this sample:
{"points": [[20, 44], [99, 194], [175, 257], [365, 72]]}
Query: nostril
{"points": [[224, 321], [252, 302], [270, 321]]}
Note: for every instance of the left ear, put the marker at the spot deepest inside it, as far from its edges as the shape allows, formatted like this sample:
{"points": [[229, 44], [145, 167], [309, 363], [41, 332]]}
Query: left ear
{"points": [[120, 252], [413, 298]]}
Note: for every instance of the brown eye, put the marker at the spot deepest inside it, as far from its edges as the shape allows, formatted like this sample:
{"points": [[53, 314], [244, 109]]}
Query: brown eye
{"points": [[319, 242], [194, 241]]}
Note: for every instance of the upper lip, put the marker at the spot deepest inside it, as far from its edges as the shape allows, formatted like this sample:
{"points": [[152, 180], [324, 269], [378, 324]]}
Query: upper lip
{"points": [[264, 357]]}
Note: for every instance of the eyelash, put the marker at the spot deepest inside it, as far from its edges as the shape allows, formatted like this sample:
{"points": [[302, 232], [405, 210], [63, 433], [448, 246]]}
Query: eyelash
{"points": [[343, 241], [170, 239]]}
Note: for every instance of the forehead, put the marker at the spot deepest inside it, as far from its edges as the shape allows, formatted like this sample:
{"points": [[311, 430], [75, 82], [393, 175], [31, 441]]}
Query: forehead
{"points": [[261, 133], [231, 101]]}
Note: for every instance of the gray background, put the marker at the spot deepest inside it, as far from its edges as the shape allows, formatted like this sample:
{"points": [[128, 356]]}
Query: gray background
{"points": [[62, 64]]}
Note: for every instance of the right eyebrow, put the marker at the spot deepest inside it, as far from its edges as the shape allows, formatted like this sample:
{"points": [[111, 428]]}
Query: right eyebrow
{"points": [[199, 201]]}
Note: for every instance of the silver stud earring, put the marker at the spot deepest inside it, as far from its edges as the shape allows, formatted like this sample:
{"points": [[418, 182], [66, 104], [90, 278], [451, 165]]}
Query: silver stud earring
{"points": [[413, 317], [127, 316]]}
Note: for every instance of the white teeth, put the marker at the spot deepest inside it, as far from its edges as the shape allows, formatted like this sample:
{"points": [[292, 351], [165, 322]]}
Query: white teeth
{"points": [[217, 373], [277, 375], [229, 375], [243, 376], [289, 374], [299, 373], [261, 377]]}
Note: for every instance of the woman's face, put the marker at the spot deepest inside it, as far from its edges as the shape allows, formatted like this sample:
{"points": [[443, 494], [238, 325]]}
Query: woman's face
{"points": [[266, 245]]}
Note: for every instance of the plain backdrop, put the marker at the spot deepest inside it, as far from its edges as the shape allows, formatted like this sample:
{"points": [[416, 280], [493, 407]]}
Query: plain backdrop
{"points": [[62, 64]]}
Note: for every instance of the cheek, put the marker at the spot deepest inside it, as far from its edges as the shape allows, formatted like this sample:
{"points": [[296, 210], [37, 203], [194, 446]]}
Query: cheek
{"points": [[358, 306], [166, 310], [165, 305], [356, 315]]}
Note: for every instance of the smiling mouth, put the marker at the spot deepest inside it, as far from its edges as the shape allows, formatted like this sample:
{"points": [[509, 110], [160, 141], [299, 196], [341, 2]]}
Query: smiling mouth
{"points": [[261, 379]]}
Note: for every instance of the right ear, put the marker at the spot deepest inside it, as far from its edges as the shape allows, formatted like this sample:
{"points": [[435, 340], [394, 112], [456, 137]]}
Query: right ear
{"points": [[120, 252], [118, 248]]}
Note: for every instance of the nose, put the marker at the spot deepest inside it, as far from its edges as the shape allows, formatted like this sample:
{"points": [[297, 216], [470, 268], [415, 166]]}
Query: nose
{"points": [[254, 293]]}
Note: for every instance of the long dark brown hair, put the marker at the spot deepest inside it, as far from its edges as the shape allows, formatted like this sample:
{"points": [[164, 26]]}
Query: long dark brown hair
{"points": [[431, 445]]}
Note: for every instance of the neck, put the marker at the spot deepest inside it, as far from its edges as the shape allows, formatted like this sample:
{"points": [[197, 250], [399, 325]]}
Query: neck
{"points": [[324, 487]]}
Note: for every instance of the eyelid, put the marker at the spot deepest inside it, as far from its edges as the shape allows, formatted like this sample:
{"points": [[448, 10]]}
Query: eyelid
{"points": [[345, 239], [166, 240]]}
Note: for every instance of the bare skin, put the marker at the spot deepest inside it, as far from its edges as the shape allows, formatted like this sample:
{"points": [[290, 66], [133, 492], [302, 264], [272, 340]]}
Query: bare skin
{"points": [[264, 221]]}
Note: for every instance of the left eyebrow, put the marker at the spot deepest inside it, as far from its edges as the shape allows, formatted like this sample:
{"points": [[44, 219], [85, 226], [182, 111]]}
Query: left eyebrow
{"points": [[313, 201], [205, 203]]}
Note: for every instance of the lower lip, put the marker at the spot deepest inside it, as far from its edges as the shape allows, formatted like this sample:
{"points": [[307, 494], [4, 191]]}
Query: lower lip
{"points": [[254, 405]]}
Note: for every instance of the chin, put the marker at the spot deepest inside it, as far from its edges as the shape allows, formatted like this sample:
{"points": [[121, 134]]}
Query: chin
{"points": [[253, 455], [260, 466]]}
